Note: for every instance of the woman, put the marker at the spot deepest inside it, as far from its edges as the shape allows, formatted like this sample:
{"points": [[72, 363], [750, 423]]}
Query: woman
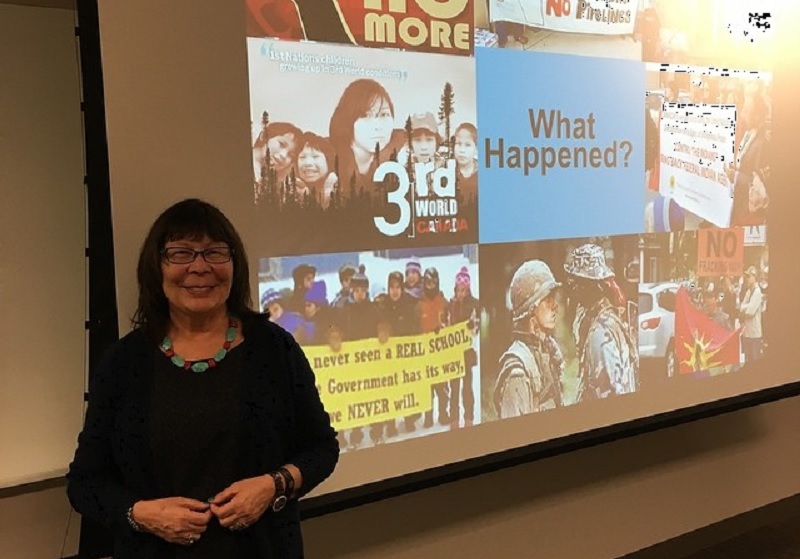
{"points": [[363, 135], [750, 182], [204, 424]]}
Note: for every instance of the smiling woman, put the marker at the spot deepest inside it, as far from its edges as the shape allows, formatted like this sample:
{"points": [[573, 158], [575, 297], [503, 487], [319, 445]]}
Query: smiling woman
{"points": [[207, 443]]}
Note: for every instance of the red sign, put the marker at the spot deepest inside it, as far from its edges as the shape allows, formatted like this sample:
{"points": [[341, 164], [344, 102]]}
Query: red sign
{"points": [[720, 252], [443, 26]]}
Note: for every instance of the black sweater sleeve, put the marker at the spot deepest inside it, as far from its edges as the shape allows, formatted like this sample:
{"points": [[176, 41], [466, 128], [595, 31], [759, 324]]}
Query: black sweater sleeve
{"points": [[315, 448], [94, 485]]}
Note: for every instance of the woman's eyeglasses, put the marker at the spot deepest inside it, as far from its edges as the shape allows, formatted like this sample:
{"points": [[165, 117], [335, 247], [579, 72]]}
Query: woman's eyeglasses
{"points": [[184, 255]]}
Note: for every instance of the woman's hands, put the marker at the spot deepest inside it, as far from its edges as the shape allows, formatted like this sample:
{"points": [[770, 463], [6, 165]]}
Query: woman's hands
{"points": [[182, 521], [175, 519], [243, 502]]}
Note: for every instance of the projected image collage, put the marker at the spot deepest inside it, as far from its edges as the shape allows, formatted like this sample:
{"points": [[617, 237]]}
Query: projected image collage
{"points": [[427, 303]]}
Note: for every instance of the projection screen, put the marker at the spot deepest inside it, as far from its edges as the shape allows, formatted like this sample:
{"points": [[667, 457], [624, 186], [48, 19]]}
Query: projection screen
{"points": [[485, 233]]}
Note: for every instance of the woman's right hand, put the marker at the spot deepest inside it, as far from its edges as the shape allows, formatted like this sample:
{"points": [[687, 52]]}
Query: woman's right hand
{"points": [[177, 520]]}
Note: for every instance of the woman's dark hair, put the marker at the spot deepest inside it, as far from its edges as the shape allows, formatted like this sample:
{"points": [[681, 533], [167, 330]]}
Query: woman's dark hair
{"points": [[356, 101], [189, 219]]}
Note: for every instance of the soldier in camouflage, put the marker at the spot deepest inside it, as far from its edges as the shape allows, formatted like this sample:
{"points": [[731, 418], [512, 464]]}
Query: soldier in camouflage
{"points": [[531, 368], [608, 357]]}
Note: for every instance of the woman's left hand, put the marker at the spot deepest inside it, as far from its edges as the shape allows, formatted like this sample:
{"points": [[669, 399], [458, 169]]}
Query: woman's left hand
{"points": [[242, 503]]}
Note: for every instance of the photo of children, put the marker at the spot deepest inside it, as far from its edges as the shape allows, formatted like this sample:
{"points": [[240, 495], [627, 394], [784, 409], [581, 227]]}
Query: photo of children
{"points": [[708, 147], [392, 336], [587, 27], [702, 300], [389, 160], [558, 324]]}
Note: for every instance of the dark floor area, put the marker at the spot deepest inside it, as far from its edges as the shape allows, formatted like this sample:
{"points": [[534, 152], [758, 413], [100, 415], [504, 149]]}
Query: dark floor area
{"points": [[779, 540]]}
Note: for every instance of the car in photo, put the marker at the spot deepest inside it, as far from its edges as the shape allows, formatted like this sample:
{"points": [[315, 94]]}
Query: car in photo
{"points": [[657, 323]]}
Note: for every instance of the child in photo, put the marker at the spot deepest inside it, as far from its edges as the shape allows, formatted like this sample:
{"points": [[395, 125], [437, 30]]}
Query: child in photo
{"points": [[315, 166], [275, 149], [466, 155], [425, 140]]}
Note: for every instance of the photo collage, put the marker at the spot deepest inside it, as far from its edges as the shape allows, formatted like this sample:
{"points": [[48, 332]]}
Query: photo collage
{"points": [[472, 210]]}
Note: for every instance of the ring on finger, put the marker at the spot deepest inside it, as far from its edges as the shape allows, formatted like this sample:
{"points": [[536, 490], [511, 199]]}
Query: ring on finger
{"points": [[239, 525]]}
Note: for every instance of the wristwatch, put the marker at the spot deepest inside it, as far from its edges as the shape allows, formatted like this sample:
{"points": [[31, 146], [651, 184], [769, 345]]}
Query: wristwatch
{"points": [[280, 492]]}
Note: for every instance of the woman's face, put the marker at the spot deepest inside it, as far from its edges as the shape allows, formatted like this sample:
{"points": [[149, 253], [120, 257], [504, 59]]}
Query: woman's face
{"points": [[465, 150], [280, 151], [374, 127], [312, 165], [196, 288]]}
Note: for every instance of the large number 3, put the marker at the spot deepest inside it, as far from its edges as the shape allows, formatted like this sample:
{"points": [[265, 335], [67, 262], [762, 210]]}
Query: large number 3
{"points": [[396, 197]]}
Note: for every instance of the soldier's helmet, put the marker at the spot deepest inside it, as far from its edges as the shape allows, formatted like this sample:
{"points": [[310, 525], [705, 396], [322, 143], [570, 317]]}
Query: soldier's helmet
{"points": [[531, 283], [588, 261]]}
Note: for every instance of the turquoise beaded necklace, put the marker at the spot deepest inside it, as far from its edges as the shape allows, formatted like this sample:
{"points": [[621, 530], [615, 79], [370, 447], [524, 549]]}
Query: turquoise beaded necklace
{"points": [[202, 364]]}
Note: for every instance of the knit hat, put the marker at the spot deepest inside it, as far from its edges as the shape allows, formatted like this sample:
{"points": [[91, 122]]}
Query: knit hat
{"points": [[359, 280], [462, 277], [269, 296], [347, 271], [413, 264], [317, 293]]}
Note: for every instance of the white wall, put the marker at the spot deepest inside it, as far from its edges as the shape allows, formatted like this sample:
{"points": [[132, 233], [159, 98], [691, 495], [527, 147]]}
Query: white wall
{"points": [[42, 243], [42, 276]]}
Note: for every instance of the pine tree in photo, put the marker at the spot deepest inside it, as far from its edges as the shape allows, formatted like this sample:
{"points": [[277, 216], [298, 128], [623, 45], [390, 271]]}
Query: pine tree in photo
{"points": [[292, 180], [446, 110], [263, 138], [408, 129]]}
